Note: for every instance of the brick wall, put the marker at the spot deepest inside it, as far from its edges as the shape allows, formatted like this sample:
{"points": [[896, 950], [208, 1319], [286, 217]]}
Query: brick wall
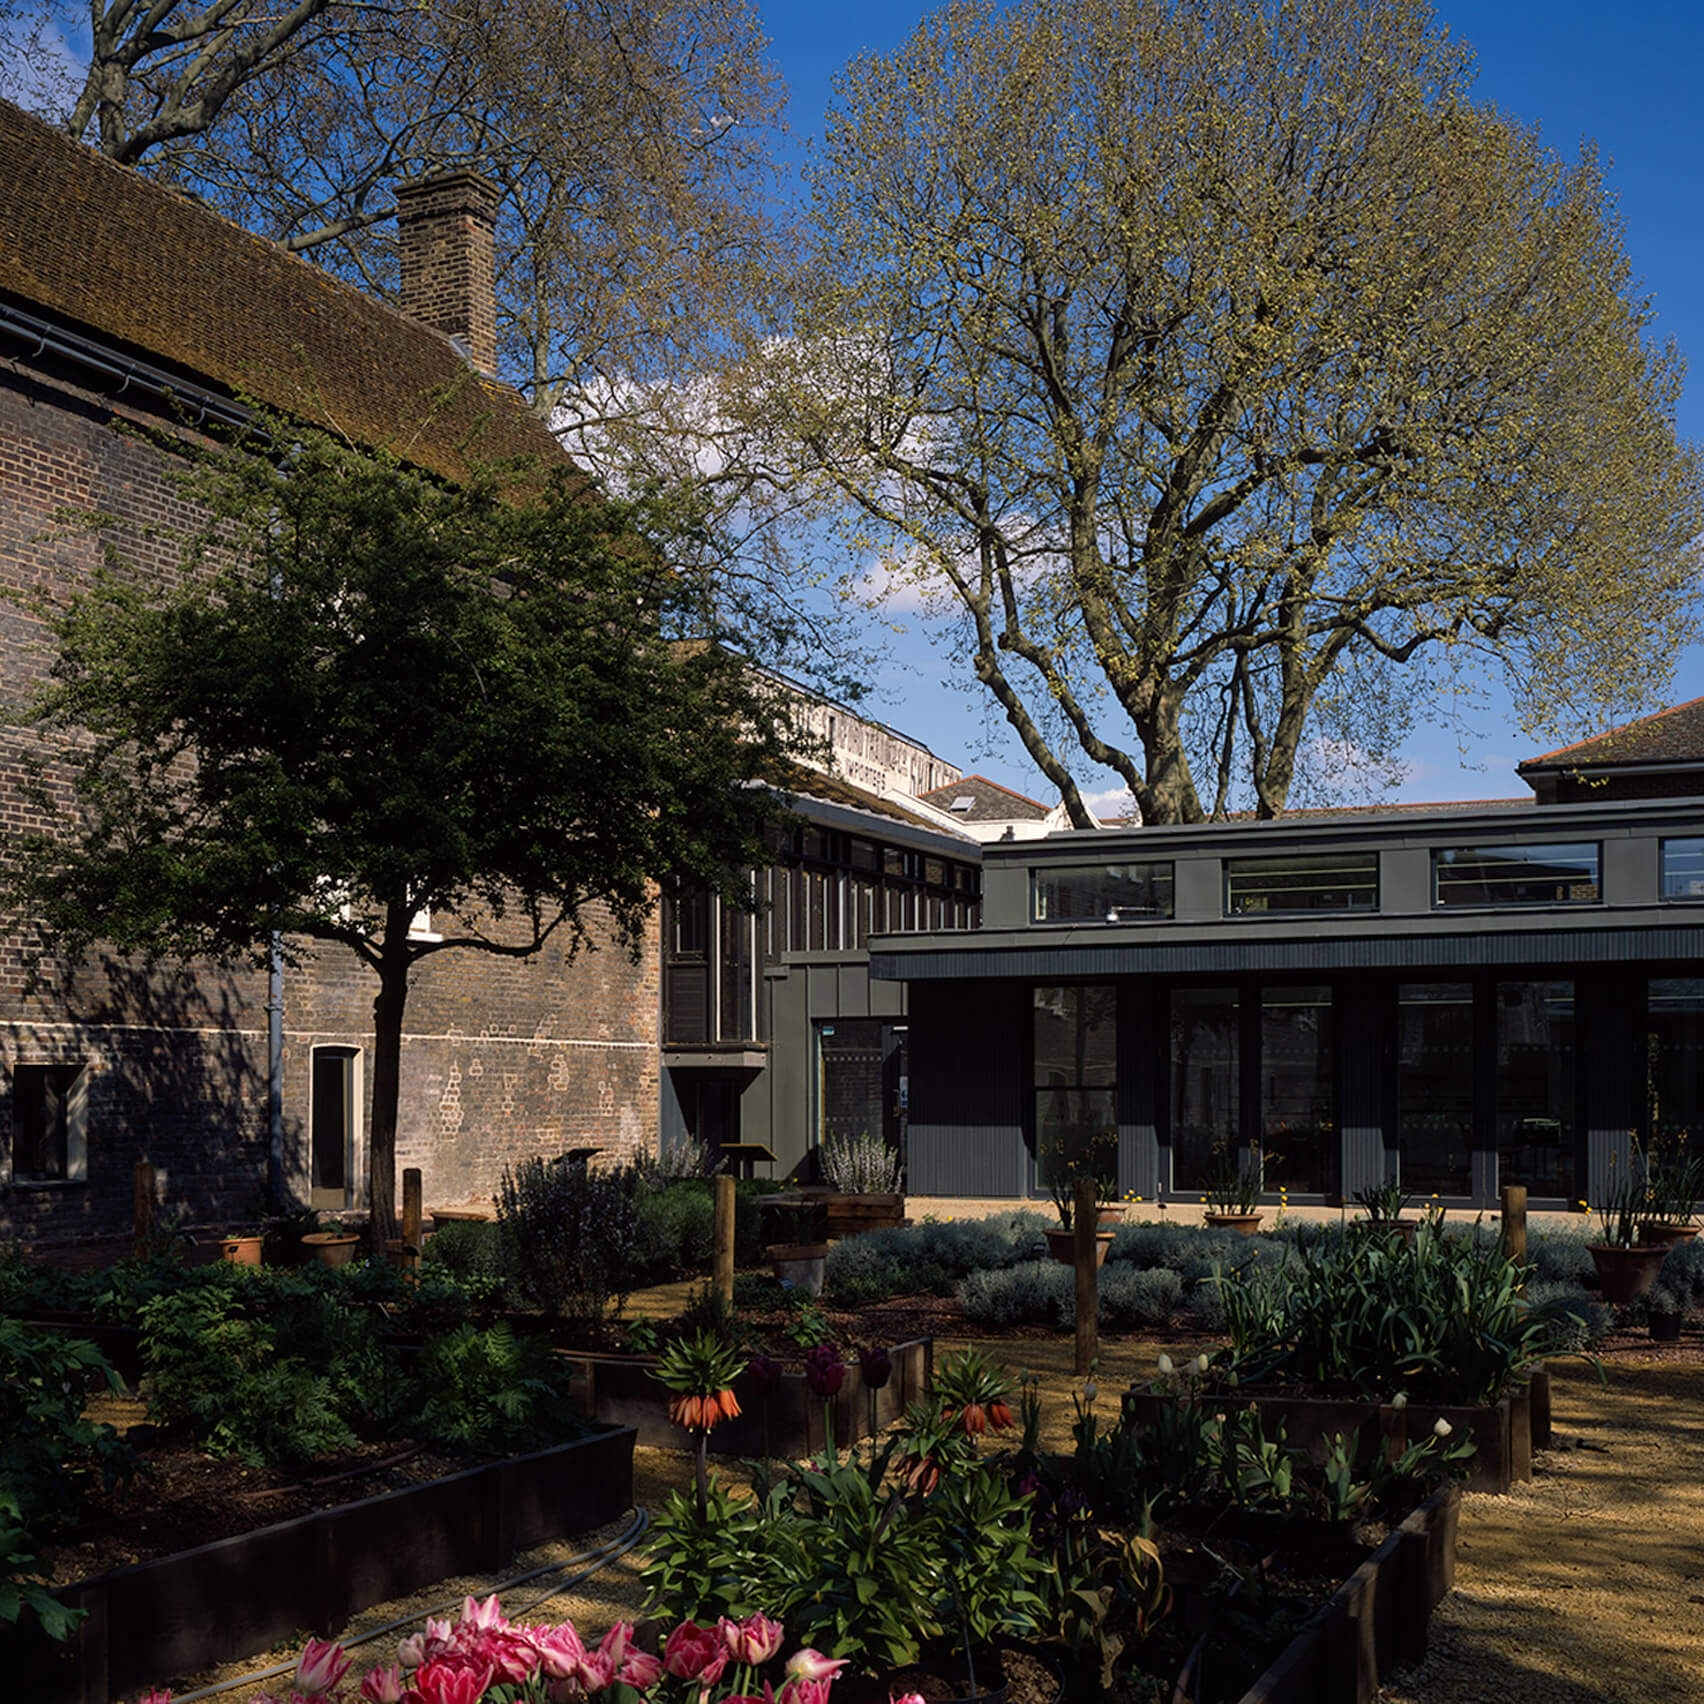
{"points": [[501, 1058]]}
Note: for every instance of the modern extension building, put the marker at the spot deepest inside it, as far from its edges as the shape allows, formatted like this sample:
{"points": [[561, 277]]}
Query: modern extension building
{"points": [[1456, 996]]}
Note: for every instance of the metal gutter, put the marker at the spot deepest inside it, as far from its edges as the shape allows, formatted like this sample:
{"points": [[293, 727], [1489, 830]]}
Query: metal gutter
{"points": [[97, 357]]}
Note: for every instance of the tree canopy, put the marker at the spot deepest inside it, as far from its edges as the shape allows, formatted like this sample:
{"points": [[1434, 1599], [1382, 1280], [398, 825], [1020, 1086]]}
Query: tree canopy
{"points": [[1226, 370], [370, 695]]}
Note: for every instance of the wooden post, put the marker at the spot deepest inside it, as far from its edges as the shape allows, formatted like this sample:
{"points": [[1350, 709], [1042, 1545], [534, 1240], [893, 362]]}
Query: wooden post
{"points": [[143, 1210], [1514, 1223], [412, 1212], [722, 1246], [1085, 1222]]}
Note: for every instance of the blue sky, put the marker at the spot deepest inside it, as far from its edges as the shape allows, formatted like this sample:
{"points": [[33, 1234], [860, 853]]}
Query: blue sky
{"points": [[1626, 76]]}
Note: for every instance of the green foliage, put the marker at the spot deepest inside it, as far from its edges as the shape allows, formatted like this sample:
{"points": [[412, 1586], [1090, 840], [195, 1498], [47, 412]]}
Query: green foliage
{"points": [[930, 1258], [852, 1559], [677, 1229], [1441, 1318], [570, 1234], [471, 1251], [492, 1392], [1327, 360], [1044, 1293], [317, 727], [216, 1362], [49, 1455], [48, 1452]]}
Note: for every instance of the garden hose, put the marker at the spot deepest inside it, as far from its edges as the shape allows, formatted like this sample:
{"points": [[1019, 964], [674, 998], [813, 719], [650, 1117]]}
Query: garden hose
{"points": [[588, 1562]]}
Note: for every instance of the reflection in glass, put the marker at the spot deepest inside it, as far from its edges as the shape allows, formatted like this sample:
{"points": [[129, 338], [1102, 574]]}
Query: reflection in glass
{"points": [[1101, 893], [1674, 1057], [1434, 1087], [1516, 875], [1683, 868], [1203, 1082], [1337, 881], [1298, 1128], [1076, 1077], [1536, 1143]]}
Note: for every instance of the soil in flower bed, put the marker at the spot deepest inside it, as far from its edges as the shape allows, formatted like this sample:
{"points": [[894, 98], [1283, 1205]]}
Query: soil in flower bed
{"points": [[181, 1497]]}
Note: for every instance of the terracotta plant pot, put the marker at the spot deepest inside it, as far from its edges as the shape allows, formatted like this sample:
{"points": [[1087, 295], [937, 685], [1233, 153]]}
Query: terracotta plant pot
{"points": [[1245, 1223], [1626, 1273], [799, 1264], [334, 1248], [1062, 1245], [1110, 1216], [241, 1250], [1655, 1234]]}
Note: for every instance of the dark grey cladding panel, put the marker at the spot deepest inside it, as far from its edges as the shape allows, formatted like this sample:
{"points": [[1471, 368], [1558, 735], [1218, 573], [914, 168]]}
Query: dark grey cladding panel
{"points": [[1383, 952]]}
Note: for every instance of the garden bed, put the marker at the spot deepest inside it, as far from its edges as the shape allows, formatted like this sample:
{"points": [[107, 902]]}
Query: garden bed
{"points": [[1503, 1431], [1376, 1621], [239, 1595], [621, 1390]]}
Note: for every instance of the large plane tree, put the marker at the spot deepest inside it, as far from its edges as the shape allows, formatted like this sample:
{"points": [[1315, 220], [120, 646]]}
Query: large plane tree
{"points": [[1231, 375]]}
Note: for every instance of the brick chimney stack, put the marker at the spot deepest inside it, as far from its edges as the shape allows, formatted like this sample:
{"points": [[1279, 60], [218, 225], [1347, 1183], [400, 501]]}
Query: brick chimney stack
{"points": [[445, 226]]}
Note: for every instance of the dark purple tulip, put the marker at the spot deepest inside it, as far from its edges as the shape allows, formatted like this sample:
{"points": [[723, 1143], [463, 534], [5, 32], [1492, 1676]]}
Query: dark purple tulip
{"points": [[825, 1372], [877, 1367], [764, 1376]]}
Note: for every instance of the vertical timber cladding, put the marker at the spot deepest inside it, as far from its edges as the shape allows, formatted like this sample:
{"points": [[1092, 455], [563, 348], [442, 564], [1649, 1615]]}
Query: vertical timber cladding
{"points": [[969, 1088]]}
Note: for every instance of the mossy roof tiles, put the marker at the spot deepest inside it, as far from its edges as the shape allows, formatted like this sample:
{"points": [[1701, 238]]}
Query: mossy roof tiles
{"points": [[104, 250]]}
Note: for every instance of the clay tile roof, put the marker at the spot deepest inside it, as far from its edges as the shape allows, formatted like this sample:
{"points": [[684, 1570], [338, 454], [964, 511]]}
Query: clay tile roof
{"points": [[96, 246], [989, 801], [1674, 735]]}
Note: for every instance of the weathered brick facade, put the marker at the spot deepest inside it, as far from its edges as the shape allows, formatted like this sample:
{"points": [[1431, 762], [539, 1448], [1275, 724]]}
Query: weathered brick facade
{"points": [[501, 1058]]}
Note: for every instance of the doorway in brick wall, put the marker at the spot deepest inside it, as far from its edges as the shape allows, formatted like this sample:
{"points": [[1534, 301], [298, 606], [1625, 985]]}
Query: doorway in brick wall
{"points": [[334, 1127]]}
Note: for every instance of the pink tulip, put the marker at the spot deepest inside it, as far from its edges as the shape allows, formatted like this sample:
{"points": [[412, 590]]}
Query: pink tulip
{"points": [[382, 1685], [640, 1670], [752, 1641], [320, 1667], [419, 1649], [798, 1690], [692, 1652], [484, 1616], [443, 1683], [157, 1695], [560, 1650], [813, 1665]]}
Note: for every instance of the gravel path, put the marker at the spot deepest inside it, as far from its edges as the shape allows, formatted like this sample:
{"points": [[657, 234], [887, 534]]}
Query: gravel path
{"points": [[1586, 1585]]}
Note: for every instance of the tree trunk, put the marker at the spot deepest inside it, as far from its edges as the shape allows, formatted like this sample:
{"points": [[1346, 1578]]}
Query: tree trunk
{"points": [[388, 1006]]}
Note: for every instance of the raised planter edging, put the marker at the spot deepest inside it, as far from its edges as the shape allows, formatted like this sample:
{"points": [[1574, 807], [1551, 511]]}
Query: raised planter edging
{"points": [[1376, 1621], [619, 1389], [1501, 1431], [238, 1596]]}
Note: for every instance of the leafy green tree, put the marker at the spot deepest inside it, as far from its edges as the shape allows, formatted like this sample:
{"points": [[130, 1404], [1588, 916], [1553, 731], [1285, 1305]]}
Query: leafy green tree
{"points": [[1211, 361], [371, 695]]}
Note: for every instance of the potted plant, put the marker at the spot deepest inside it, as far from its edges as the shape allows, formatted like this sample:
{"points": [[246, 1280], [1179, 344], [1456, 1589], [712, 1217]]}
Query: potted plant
{"points": [[333, 1244], [1626, 1269], [797, 1256], [241, 1246], [1674, 1182], [1385, 1204], [1233, 1193], [1664, 1309], [1067, 1162], [864, 1174]]}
